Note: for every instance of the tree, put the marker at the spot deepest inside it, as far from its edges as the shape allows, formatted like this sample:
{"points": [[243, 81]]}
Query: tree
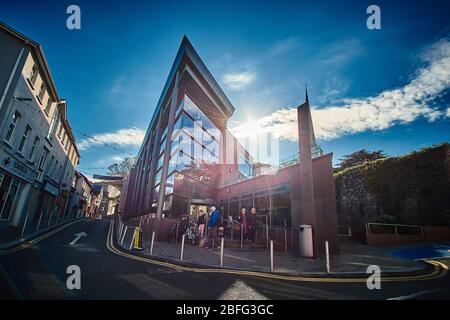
{"points": [[359, 157], [123, 168]]}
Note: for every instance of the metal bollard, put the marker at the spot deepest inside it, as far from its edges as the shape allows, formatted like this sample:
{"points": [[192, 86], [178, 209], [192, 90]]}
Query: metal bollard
{"points": [[285, 240], [221, 251], [40, 218], [292, 238], [153, 241], [327, 253], [119, 235], [271, 255], [242, 235], [57, 217], [123, 235], [50, 219], [24, 225], [232, 230], [132, 239], [182, 247]]}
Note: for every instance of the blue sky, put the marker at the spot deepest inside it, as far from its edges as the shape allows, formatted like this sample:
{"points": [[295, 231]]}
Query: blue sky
{"points": [[374, 89]]}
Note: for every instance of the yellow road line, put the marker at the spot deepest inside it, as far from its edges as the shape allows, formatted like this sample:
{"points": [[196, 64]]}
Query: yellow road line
{"points": [[439, 270], [27, 244]]}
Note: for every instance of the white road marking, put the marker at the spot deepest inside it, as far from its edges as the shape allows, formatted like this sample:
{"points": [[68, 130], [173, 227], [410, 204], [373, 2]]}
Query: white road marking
{"points": [[78, 237], [241, 291], [415, 295]]}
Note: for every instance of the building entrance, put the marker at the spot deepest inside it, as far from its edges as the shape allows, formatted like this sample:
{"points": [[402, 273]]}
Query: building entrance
{"points": [[196, 210], [10, 191]]}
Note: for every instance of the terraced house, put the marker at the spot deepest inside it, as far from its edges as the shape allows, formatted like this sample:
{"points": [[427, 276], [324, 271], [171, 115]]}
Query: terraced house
{"points": [[189, 161], [38, 153]]}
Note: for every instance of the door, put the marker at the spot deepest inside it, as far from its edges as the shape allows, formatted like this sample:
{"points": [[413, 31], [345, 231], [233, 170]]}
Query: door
{"points": [[8, 191], [196, 210]]}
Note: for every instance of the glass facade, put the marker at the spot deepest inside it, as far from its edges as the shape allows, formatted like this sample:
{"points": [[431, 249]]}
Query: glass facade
{"points": [[194, 155]]}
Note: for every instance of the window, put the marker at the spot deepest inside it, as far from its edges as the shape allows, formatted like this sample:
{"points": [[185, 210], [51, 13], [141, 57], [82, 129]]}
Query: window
{"points": [[63, 138], [54, 170], [60, 129], [50, 165], [24, 138], [160, 162], [163, 146], [245, 167], [59, 172], [67, 143], [158, 177], [48, 106], [70, 153], [42, 92], [33, 148], [43, 159], [33, 75], [12, 126], [50, 129]]}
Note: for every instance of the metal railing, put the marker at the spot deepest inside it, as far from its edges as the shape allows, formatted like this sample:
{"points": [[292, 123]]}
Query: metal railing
{"points": [[393, 228], [283, 235]]}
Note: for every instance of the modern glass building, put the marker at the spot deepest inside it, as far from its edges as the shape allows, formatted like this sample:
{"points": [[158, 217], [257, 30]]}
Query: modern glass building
{"points": [[190, 161]]}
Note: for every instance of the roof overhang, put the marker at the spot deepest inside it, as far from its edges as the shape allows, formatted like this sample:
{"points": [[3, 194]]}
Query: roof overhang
{"points": [[188, 59]]}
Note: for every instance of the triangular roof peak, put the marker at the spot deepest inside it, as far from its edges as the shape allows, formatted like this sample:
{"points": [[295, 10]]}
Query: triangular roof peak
{"points": [[186, 50]]}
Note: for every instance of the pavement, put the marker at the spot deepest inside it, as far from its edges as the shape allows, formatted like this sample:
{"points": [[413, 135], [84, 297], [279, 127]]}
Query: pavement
{"points": [[12, 236], [38, 271], [354, 258]]}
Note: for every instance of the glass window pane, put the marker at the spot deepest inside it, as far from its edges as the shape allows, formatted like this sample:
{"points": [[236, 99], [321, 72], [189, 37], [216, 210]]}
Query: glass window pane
{"points": [[190, 107], [158, 177]]}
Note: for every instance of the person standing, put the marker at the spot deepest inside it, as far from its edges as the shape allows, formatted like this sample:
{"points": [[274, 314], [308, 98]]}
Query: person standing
{"points": [[213, 240], [252, 225], [244, 222], [201, 221]]}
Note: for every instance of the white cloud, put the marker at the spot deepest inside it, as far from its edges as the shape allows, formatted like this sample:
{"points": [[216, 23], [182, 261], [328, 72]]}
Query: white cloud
{"points": [[390, 107], [117, 158], [448, 113], [122, 137], [284, 46], [238, 81]]}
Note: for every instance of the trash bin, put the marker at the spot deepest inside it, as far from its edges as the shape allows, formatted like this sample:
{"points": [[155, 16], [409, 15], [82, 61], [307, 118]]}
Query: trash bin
{"points": [[306, 241]]}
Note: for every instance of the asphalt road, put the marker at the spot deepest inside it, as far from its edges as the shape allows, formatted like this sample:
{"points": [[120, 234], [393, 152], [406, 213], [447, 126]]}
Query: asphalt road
{"points": [[39, 272]]}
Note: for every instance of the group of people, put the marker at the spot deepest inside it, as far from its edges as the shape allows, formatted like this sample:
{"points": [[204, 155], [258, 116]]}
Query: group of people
{"points": [[217, 226]]}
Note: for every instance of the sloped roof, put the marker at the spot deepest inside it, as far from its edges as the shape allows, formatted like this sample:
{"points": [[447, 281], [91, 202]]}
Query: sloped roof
{"points": [[187, 50]]}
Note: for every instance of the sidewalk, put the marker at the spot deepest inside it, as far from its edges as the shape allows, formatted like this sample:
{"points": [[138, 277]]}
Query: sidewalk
{"points": [[354, 258], [11, 236]]}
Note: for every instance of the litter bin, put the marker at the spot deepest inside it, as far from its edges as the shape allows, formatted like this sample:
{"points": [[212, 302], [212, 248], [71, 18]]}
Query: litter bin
{"points": [[306, 241]]}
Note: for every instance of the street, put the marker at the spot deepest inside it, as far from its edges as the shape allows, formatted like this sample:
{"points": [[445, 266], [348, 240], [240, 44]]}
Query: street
{"points": [[39, 272]]}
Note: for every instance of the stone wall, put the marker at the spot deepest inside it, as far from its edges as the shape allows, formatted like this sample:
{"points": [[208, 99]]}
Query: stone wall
{"points": [[413, 189]]}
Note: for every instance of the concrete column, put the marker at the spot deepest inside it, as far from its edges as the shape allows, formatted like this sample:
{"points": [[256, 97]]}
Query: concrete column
{"points": [[173, 108]]}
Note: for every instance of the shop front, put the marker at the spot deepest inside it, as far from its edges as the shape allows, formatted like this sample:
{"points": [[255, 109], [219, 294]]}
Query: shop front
{"points": [[15, 182]]}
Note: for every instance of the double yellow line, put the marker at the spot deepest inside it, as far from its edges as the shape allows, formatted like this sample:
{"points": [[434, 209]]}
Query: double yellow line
{"points": [[439, 269], [27, 244]]}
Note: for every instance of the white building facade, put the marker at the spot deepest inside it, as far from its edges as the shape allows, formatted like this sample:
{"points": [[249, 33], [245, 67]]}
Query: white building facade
{"points": [[38, 153]]}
